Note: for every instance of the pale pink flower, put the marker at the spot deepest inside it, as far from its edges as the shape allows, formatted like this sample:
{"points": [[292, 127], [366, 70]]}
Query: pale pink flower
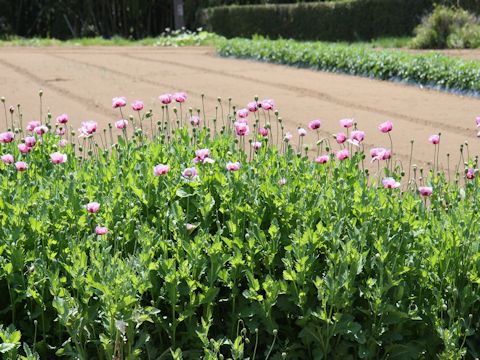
{"points": [[256, 145], [7, 137], [267, 104], [58, 158], [380, 154], [40, 130], [242, 113], [470, 174], [315, 124], [118, 102], [160, 169], [7, 159], [343, 154], [88, 128], [386, 126], [477, 120], [302, 132], [101, 230], [233, 166], [21, 165], [425, 190], [137, 105], [92, 207], [340, 137], [252, 106], [322, 159], [346, 123], [190, 173], [195, 120], [180, 97], [62, 143], [24, 148], [356, 137], [390, 183], [288, 137], [165, 99], [434, 139], [201, 155], [32, 125], [62, 119], [263, 131], [61, 131], [189, 227], [121, 124], [241, 129], [282, 181]]}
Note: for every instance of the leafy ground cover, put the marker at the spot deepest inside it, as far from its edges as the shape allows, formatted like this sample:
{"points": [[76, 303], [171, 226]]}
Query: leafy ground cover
{"points": [[434, 70], [181, 235]]}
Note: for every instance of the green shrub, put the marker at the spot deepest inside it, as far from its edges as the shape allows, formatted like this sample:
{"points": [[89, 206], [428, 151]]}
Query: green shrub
{"points": [[447, 27]]}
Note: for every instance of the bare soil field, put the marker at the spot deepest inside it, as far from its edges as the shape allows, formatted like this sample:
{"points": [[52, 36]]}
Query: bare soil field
{"points": [[82, 82]]}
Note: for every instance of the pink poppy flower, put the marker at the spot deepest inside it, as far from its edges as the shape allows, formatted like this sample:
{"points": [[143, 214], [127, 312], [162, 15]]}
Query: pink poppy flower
{"points": [[165, 99], [322, 159], [7, 159], [282, 181], [380, 154], [24, 148], [434, 139], [137, 105], [288, 137], [101, 230], [390, 183], [302, 132], [425, 190], [252, 106], [267, 104], [189, 227], [340, 137], [7, 137], [160, 169], [477, 120], [343, 154], [58, 158], [62, 119], [470, 174], [21, 166], [356, 137], [32, 125], [40, 130], [61, 131], [121, 124], [62, 143], [195, 120], [180, 97], [242, 113], [118, 102], [386, 126], [256, 145], [241, 129], [201, 155], [315, 124], [263, 131], [346, 123], [233, 166], [92, 207], [88, 128], [190, 173]]}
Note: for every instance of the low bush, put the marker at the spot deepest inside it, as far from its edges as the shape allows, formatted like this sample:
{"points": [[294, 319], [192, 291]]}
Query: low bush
{"points": [[430, 69]]}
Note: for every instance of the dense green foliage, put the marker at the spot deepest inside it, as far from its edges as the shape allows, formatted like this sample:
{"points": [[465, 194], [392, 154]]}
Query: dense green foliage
{"points": [[448, 28], [429, 69], [284, 258]]}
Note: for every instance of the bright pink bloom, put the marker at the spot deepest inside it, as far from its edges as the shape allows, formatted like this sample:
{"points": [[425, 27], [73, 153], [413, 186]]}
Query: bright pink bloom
{"points": [[32, 125], [390, 183], [88, 128], [241, 129], [434, 139], [322, 159], [425, 190], [288, 137], [62, 119], [315, 124], [201, 156], [24, 148], [267, 104], [7, 159], [263, 131], [62, 143], [343, 154], [180, 97], [92, 207], [470, 174], [40, 130], [101, 230], [233, 166], [160, 169], [477, 120], [302, 132], [190, 173], [386, 126], [356, 137], [121, 124], [340, 137], [195, 120], [242, 113], [118, 102], [137, 105], [7, 137], [256, 145], [252, 106], [58, 158], [21, 165], [61, 131], [346, 123], [165, 98], [380, 154]]}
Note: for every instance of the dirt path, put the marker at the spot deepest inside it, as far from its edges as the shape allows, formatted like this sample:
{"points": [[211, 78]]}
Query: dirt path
{"points": [[82, 82]]}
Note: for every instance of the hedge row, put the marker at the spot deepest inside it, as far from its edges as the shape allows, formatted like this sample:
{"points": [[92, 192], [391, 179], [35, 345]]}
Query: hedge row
{"points": [[328, 21], [430, 69]]}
